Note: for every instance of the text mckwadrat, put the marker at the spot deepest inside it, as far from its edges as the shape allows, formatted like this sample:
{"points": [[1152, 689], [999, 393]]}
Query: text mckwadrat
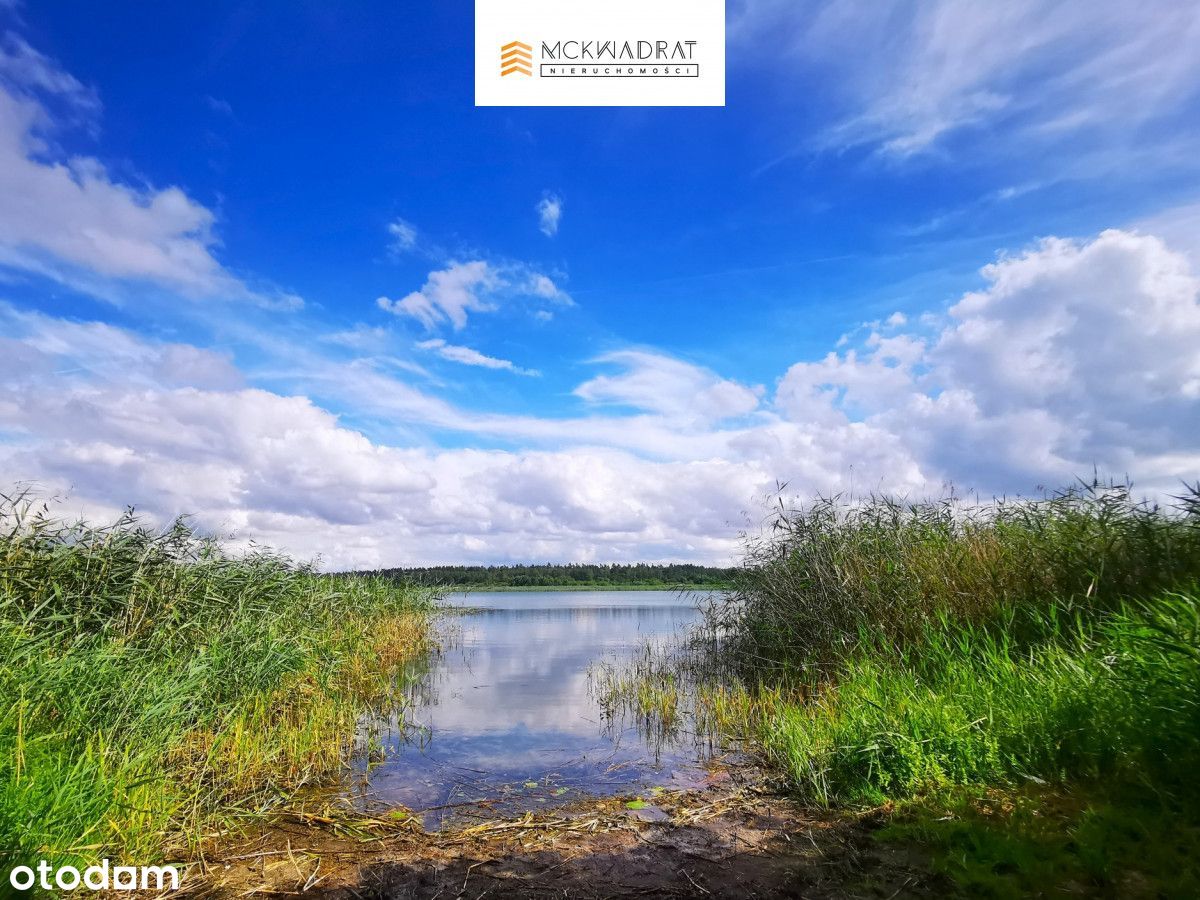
{"points": [[617, 50]]}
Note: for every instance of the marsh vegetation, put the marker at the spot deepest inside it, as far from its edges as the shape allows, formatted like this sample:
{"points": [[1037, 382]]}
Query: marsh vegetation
{"points": [[1015, 685], [1019, 681], [156, 687]]}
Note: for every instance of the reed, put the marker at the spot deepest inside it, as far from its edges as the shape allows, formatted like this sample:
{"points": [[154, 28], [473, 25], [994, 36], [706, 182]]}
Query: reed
{"points": [[1022, 677], [840, 576], [1113, 699], [155, 686], [943, 657]]}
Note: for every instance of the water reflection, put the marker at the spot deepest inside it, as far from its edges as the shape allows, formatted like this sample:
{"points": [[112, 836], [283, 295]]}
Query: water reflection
{"points": [[504, 713]]}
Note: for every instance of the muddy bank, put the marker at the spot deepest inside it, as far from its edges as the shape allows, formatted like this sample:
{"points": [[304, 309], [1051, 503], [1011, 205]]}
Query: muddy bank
{"points": [[731, 839]]}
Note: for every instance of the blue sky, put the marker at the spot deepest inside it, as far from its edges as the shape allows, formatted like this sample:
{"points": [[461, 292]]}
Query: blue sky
{"points": [[267, 264]]}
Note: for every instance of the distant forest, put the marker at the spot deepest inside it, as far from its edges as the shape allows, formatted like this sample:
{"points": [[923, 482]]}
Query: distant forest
{"points": [[572, 575]]}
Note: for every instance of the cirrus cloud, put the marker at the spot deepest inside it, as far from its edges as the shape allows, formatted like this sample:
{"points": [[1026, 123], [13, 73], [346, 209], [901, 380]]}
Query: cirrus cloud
{"points": [[470, 357]]}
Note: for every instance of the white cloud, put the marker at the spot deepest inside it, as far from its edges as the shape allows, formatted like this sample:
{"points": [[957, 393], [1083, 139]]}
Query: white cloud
{"points": [[280, 470], [361, 337], [217, 105], [1179, 228], [403, 236], [25, 70], [914, 75], [67, 218], [1070, 353], [538, 285], [549, 210], [469, 357], [98, 352], [449, 294], [1103, 336], [217, 452], [1076, 353], [669, 387]]}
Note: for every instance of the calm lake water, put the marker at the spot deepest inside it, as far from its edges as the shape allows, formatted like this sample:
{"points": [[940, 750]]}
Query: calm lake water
{"points": [[505, 716]]}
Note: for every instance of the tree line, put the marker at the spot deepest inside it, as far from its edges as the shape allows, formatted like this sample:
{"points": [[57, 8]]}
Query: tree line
{"points": [[568, 575]]}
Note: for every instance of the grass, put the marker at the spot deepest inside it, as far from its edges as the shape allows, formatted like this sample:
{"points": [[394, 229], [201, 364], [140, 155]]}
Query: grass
{"points": [[1115, 839], [838, 578], [1018, 681], [1104, 700], [647, 692], [155, 687], [970, 665]]}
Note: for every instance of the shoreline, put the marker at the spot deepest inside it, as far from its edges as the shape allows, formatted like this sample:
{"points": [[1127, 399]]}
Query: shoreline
{"points": [[733, 835], [578, 588]]}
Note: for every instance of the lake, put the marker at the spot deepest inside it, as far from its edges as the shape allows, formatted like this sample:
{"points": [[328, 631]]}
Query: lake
{"points": [[504, 717]]}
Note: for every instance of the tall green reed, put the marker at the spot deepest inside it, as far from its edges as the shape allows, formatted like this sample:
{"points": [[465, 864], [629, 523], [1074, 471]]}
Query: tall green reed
{"points": [[1117, 698], [825, 578], [155, 686]]}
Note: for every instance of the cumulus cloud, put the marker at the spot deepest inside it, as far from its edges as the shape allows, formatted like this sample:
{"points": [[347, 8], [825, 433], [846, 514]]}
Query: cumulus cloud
{"points": [[449, 294], [115, 418], [470, 357], [221, 452], [549, 210], [1075, 353], [67, 218], [281, 470], [1070, 353]]}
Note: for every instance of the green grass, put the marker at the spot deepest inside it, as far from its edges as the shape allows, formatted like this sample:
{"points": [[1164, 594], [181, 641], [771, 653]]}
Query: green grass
{"points": [[1109, 838], [1118, 698], [155, 687], [949, 660], [840, 577]]}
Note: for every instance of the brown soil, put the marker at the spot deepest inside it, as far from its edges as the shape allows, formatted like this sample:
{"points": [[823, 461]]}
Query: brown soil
{"points": [[729, 839]]}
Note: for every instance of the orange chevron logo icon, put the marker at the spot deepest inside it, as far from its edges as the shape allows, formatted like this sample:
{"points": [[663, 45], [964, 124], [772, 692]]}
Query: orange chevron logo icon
{"points": [[516, 57]]}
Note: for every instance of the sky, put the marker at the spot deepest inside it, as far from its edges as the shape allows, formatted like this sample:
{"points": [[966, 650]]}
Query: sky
{"points": [[266, 265]]}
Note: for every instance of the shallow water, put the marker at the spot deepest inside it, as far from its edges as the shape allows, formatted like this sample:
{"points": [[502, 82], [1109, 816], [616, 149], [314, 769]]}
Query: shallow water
{"points": [[505, 713]]}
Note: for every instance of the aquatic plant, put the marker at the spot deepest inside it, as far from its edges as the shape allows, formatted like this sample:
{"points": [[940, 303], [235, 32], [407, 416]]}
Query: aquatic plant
{"points": [[1115, 698], [939, 655], [155, 685], [839, 575]]}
